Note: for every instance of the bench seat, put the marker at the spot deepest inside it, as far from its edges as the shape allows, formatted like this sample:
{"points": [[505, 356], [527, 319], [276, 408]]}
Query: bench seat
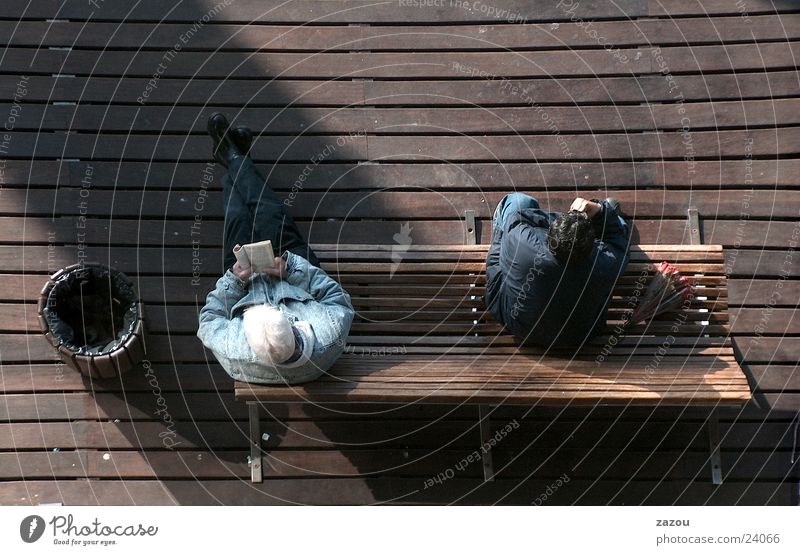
{"points": [[421, 335], [515, 380]]}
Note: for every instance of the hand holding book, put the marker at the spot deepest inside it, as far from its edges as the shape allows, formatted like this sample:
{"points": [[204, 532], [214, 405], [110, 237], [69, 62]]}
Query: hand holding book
{"points": [[257, 257]]}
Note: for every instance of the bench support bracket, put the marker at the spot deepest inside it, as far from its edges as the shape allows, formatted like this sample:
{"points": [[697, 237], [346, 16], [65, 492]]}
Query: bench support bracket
{"points": [[486, 450], [694, 227], [256, 474], [470, 231], [714, 447]]}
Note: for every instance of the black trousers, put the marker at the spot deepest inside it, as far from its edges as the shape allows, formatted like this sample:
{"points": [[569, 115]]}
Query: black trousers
{"points": [[253, 212]]}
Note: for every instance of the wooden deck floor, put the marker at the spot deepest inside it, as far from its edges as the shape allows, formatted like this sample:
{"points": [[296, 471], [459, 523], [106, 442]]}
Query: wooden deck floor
{"points": [[415, 114]]}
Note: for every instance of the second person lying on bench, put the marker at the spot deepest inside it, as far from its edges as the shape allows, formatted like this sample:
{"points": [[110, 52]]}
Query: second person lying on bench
{"points": [[285, 325], [549, 276]]}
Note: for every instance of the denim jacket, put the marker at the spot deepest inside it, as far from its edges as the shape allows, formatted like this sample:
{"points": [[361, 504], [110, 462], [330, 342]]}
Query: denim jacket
{"points": [[307, 294]]}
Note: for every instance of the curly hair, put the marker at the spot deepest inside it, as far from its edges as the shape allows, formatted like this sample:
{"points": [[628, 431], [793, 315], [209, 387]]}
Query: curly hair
{"points": [[571, 238]]}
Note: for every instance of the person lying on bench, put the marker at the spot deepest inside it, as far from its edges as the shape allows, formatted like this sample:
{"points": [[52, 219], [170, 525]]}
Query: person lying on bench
{"points": [[549, 276], [284, 325]]}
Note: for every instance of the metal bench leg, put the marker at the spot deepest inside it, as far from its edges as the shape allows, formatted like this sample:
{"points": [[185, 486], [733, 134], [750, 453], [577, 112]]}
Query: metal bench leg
{"points": [[255, 444], [714, 447], [485, 429]]}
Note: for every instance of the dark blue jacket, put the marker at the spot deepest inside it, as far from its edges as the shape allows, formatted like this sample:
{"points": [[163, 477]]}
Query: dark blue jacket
{"points": [[539, 300]]}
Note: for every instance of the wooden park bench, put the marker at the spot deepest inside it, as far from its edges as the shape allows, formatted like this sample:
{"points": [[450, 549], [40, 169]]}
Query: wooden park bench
{"points": [[421, 336]]}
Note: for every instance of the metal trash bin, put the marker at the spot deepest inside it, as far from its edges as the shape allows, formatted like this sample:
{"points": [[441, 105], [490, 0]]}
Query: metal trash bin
{"points": [[93, 317]]}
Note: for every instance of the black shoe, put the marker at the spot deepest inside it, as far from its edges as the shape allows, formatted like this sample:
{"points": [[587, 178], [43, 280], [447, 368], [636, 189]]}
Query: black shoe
{"points": [[223, 148], [242, 137]]}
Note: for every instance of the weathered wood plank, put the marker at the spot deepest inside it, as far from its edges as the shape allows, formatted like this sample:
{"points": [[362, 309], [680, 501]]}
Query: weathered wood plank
{"points": [[758, 349], [612, 147], [252, 93], [544, 177], [317, 11], [775, 292], [641, 88], [767, 263], [225, 36], [613, 464], [779, 378], [190, 119], [692, 7], [765, 320], [741, 205], [390, 433], [548, 63], [245, 11], [28, 378], [82, 492], [363, 491], [460, 491], [108, 406]]}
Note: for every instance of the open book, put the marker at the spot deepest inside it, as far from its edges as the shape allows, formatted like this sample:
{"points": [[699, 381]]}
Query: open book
{"points": [[256, 256]]}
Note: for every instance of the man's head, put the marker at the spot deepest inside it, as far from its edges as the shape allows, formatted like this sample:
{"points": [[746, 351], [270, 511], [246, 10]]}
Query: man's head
{"points": [[571, 238], [269, 334]]}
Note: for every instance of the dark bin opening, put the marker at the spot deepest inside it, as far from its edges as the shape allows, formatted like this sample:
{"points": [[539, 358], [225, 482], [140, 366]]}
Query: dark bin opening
{"points": [[92, 310]]}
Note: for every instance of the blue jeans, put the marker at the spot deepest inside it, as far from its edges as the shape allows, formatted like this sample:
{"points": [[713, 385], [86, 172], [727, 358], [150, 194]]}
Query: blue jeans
{"points": [[509, 204], [253, 212]]}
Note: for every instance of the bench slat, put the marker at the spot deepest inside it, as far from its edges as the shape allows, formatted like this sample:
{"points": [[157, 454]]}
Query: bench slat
{"points": [[389, 268], [333, 247], [461, 314], [619, 353], [494, 328], [553, 397]]}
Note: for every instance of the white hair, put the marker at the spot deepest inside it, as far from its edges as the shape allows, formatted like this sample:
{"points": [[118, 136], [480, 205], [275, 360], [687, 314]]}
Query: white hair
{"points": [[269, 333]]}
